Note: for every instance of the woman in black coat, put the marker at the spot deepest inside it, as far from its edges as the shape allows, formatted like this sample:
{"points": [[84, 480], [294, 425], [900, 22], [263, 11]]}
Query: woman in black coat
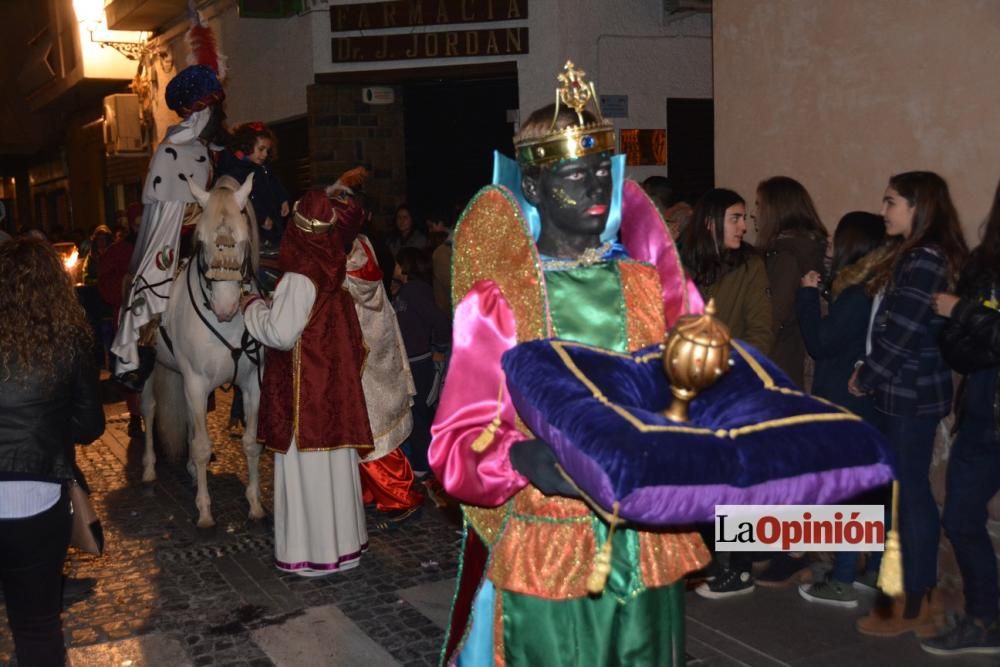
{"points": [[970, 343], [837, 341], [49, 400]]}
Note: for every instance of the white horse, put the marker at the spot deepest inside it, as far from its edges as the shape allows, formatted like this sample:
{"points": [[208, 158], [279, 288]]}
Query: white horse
{"points": [[201, 344]]}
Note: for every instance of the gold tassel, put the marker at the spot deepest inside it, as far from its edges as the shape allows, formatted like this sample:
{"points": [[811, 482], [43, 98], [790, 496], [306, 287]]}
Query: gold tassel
{"points": [[485, 439], [602, 560], [890, 575]]}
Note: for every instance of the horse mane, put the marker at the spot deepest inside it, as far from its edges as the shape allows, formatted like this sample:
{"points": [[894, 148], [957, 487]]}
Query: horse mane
{"points": [[220, 216]]}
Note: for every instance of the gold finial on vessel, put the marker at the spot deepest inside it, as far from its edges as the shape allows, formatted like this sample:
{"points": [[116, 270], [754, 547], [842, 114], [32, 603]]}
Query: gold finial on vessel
{"points": [[695, 356]]}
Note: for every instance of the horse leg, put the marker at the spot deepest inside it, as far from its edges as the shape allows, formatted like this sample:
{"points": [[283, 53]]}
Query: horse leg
{"points": [[148, 417], [201, 449], [251, 448]]}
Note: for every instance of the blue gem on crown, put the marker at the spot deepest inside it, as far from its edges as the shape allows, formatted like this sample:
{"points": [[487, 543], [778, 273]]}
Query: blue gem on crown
{"points": [[587, 142]]}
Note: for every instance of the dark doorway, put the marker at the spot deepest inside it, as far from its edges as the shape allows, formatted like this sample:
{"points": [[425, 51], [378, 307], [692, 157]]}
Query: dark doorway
{"points": [[691, 146], [292, 165], [452, 128]]}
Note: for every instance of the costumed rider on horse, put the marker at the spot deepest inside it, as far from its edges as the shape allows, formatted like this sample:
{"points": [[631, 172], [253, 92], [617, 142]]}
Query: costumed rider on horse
{"points": [[196, 95]]}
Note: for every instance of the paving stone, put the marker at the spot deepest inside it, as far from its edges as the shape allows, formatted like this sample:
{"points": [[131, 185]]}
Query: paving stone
{"points": [[147, 651], [433, 600], [322, 636]]}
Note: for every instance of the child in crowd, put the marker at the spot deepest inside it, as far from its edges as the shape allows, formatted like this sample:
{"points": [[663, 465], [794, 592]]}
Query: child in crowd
{"points": [[971, 345], [835, 342], [251, 150], [905, 372]]}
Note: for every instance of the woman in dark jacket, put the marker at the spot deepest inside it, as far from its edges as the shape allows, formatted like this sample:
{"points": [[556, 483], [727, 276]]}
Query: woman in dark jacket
{"points": [[794, 241], [970, 343], [836, 342], [49, 400]]}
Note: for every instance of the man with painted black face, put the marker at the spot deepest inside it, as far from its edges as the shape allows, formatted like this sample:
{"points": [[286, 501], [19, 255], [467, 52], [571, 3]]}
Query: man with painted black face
{"points": [[560, 246], [573, 200]]}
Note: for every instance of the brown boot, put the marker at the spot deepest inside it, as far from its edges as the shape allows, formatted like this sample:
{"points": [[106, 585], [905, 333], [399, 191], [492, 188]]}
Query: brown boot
{"points": [[887, 620]]}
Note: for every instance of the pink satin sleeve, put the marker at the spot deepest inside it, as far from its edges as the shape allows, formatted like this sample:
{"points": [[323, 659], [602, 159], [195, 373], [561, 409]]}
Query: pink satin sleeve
{"points": [[484, 328]]}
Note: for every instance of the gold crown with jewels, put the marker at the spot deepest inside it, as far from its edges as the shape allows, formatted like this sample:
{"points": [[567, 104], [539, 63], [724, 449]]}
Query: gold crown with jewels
{"points": [[574, 141]]}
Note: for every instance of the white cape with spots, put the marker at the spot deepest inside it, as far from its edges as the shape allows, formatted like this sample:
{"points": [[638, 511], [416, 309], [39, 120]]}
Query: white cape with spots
{"points": [[165, 197]]}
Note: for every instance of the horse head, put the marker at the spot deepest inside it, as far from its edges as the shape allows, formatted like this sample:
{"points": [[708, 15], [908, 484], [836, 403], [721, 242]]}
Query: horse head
{"points": [[226, 243]]}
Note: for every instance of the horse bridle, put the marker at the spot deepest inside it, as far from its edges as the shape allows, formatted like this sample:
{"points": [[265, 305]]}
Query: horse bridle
{"points": [[248, 344]]}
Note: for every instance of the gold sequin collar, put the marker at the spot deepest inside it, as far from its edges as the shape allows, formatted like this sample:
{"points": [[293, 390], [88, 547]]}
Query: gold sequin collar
{"points": [[588, 257]]}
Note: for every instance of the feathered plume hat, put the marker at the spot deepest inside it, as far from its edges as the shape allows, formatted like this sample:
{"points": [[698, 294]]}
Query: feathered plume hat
{"points": [[199, 85]]}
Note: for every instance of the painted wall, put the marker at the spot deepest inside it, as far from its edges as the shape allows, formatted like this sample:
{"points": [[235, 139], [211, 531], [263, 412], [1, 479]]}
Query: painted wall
{"points": [[841, 95], [270, 66], [627, 48]]}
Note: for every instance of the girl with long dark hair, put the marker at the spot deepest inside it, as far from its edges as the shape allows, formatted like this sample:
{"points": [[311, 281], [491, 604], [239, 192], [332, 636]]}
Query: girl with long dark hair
{"points": [[971, 346], [730, 271], [726, 268], [905, 372], [835, 342]]}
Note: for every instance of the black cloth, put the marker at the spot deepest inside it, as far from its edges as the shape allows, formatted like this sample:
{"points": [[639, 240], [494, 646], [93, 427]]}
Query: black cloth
{"points": [[973, 478], [421, 322], [266, 196], [836, 342], [535, 460], [32, 551], [970, 344], [41, 420], [423, 415]]}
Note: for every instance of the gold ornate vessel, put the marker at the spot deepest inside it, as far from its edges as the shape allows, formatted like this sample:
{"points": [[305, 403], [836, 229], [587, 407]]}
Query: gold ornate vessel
{"points": [[695, 355]]}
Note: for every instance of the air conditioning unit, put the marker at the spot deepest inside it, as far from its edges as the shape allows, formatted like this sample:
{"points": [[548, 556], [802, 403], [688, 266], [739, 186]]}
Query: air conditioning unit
{"points": [[123, 132]]}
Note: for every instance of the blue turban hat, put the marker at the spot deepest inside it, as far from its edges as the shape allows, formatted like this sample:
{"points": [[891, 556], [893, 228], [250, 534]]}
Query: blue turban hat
{"points": [[193, 89]]}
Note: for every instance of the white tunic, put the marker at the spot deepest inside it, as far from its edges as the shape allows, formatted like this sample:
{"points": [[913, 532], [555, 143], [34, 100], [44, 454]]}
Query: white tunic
{"points": [[319, 520]]}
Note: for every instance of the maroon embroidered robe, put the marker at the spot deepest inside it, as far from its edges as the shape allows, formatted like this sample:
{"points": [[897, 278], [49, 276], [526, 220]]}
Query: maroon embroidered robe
{"points": [[313, 392]]}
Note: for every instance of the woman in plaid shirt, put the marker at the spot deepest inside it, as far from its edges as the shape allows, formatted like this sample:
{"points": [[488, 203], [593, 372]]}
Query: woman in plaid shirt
{"points": [[911, 383]]}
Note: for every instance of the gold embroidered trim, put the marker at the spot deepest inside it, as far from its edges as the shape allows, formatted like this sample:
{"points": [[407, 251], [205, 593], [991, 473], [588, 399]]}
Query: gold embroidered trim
{"points": [[485, 439], [766, 380], [331, 448]]}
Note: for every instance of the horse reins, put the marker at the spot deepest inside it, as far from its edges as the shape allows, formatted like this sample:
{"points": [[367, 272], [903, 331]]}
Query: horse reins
{"points": [[248, 344]]}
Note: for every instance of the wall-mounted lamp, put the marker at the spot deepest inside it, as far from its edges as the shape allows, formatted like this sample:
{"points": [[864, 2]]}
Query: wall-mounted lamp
{"points": [[90, 15]]}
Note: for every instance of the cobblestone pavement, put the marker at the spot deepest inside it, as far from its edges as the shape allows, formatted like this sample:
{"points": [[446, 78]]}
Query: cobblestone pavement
{"points": [[210, 591], [168, 594]]}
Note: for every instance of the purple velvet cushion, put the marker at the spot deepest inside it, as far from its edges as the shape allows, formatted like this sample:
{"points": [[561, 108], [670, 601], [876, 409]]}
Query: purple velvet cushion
{"points": [[753, 437]]}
